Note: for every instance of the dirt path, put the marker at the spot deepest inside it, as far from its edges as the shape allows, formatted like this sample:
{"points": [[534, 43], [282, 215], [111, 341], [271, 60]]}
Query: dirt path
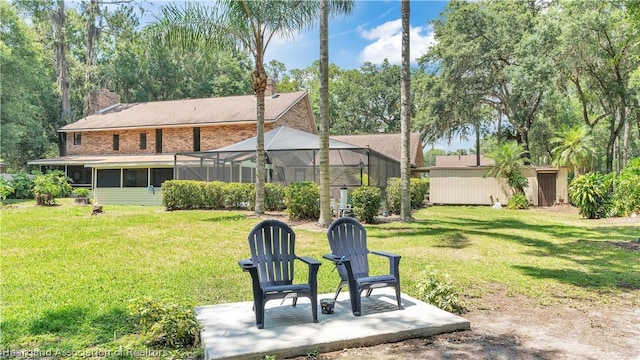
{"points": [[514, 328]]}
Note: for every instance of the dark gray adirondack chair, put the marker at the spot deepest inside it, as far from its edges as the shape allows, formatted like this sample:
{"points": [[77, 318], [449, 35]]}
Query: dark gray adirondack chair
{"points": [[272, 245], [349, 252]]}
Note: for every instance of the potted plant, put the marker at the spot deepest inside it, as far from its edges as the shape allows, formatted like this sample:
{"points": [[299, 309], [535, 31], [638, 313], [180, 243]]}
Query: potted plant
{"points": [[82, 196]]}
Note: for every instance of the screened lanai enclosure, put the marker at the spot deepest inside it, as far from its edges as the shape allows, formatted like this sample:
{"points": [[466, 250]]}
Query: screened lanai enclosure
{"points": [[291, 156]]}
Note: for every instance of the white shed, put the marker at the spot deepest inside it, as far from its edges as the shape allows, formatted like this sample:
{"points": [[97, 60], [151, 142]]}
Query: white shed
{"points": [[457, 180]]}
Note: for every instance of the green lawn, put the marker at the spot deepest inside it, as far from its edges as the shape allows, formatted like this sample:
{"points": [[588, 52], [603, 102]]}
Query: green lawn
{"points": [[67, 277]]}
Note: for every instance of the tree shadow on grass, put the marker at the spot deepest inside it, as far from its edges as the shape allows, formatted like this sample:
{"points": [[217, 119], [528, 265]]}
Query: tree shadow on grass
{"points": [[114, 323], [605, 279], [77, 321], [455, 240], [67, 321], [601, 265]]}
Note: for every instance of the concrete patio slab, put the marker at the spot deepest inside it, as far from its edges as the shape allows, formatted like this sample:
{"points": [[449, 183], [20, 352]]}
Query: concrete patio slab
{"points": [[230, 330]]}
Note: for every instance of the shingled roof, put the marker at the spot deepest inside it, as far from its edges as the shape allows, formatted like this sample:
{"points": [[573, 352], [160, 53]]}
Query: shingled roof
{"points": [[190, 112], [389, 145]]}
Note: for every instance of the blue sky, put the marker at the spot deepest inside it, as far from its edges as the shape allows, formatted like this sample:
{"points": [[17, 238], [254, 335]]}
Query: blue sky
{"points": [[371, 33]]}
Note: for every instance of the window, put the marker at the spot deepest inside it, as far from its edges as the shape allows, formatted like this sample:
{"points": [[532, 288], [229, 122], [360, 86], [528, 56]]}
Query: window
{"points": [[196, 139], [116, 142], [77, 138], [158, 140], [135, 177], [143, 141], [79, 174], [108, 178], [159, 175]]}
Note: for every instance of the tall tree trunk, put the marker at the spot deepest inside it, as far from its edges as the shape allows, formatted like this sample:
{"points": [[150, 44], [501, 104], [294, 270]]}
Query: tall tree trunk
{"points": [[615, 125], [92, 33], [636, 106], [625, 138], [477, 129], [325, 189], [405, 115], [58, 22], [499, 126], [259, 80]]}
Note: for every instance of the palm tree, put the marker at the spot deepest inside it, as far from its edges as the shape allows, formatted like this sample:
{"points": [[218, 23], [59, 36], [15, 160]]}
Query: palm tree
{"points": [[405, 113], [575, 148], [508, 158], [241, 25], [344, 7]]}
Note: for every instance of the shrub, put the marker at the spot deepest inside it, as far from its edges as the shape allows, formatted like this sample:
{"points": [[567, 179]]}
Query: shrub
{"points": [[302, 200], [590, 193], [393, 195], [273, 197], [239, 195], [81, 192], [170, 195], [213, 195], [47, 187], [518, 202], [419, 188], [438, 290], [22, 183], [166, 324], [183, 194], [626, 196], [366, 202], [5, 189]]}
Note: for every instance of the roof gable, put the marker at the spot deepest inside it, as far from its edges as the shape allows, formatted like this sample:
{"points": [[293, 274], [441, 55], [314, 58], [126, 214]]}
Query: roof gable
{"points": [[189, 112], [389, 145]]}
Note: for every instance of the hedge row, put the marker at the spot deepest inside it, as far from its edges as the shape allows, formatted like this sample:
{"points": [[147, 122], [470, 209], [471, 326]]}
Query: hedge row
{"points": [[191, 194], [301, 200]]}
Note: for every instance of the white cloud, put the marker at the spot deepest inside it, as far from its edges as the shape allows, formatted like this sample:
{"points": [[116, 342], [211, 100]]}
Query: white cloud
{"points": [[387, 42]]}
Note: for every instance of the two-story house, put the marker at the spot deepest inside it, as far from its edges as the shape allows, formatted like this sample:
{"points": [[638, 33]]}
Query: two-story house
{"points": [[126, 151]]}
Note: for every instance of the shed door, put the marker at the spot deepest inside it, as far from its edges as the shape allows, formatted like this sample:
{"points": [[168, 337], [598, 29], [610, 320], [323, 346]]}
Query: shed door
{"points": [[546, 189]]}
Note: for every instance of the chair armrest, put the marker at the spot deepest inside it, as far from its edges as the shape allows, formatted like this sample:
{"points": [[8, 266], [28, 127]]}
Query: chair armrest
{"points": [[309, 261], [385, 254], [314, 266], [246, 264], [394, 262], [338, 260]]}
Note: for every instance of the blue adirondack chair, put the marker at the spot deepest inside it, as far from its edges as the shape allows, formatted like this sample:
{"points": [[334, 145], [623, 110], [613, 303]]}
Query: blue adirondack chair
{"points": [[272, 245], [349, 252]]}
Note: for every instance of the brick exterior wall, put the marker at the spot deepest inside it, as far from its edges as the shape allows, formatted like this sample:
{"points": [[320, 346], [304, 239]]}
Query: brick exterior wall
{"points": [[180, 139], [298, 117], [173, 139]]}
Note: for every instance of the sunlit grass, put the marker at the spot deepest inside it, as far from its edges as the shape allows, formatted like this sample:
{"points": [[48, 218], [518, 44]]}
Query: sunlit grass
{"points": [[67, 276]]}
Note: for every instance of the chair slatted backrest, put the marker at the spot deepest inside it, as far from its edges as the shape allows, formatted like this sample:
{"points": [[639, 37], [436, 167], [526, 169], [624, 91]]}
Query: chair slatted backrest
{"points": [[272, 245], [348, 238]]}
